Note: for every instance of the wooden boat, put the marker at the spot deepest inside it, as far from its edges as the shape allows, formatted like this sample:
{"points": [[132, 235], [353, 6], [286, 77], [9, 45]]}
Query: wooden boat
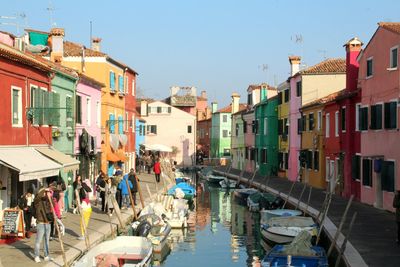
{"points": [[227, 183], [204, 172], [259, 200], [215, 179], [121, 251], [268, 214], [242, 194], [298, 253], [188, 190], [282, 230], [158, 233]]}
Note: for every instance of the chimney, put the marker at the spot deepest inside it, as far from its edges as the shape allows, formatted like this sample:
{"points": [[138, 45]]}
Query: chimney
{"points": [[353, 48], [96, 44], [143, 108], [57, 44], [203, 94], [235, 102], [294, 64], [207, 113], [214, 107]]}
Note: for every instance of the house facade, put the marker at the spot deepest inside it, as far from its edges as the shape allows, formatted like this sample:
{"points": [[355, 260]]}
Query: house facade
{"points": [[283, 128], [130, 118], [203, 136], [378, 119], [221, 131]]}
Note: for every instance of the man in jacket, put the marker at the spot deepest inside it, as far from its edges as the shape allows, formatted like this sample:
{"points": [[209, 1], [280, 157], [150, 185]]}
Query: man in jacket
{"points": [[44, 216], [124, 191], [157, 170], [133, 179], [101, 189], [396, 204]]}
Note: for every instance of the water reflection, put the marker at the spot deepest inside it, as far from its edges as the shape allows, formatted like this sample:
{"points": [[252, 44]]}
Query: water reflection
{"points": [[225, 233]]}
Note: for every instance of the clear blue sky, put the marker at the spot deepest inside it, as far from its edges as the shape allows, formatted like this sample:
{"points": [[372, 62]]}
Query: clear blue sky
{"points": [[216, 45]]}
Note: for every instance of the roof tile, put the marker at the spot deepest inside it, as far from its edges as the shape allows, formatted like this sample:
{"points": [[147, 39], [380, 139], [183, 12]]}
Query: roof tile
{"points": [[391, 26], [331, 65]]}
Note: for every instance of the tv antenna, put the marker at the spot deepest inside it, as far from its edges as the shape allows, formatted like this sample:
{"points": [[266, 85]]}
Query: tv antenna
{"points": [[12, 22], [323, 53], [50, 8], [297, 38]]}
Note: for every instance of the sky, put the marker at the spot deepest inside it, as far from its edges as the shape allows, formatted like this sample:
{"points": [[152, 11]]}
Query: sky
{"points": [[220, 46]]}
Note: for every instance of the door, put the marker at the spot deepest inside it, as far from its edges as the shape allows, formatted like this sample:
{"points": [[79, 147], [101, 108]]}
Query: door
{"points": [[378, 190], [332, 176]]}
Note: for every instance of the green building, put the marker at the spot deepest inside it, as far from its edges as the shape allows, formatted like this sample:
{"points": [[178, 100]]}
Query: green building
{"points": [[266, 113], [220, 131]]}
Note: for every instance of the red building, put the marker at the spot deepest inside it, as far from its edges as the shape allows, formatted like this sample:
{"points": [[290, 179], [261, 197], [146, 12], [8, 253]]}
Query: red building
{"points": [[342, 141], [130, 117], [203, 136]]}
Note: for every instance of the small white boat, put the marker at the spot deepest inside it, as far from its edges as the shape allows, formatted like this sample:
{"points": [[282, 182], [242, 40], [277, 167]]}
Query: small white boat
{"points": [[265, 215], [282, 230], [227, 183], [215, 179], [121, 251]]}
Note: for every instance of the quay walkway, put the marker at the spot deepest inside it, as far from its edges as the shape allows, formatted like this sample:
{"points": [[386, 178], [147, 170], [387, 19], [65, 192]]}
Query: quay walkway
{"points": [[372, 240], [20, 252]]}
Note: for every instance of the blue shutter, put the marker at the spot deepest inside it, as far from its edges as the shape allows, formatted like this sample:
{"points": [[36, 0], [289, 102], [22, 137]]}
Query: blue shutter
{"points": [[121, 83], [111, 124], [112, 80], [120, 125]]}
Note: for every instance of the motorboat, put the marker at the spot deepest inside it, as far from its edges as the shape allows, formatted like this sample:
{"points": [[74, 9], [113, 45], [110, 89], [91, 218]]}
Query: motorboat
{"points": [[260, 200], [242, 194], [182, 190], [227, 183]]}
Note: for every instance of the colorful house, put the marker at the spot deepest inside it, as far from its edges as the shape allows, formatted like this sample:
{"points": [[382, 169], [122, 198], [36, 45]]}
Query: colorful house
{"points": [[159, 117], [130, 117], [237, 134], [283, 128], [266, 140], [378, 119], [203, 136], [220, 131], [140, 134]]}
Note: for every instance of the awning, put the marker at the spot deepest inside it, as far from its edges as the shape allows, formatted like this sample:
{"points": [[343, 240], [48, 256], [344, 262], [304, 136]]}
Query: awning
{"points": [[67, 162], [29, 163], [116, 156]]}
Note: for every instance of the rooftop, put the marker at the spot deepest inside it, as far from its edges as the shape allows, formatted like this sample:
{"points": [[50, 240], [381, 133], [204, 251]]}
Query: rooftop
{"points": [[391, 26], [328, 66]]}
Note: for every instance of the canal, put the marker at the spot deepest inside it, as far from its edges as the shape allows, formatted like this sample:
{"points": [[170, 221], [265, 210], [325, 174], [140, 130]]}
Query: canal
{"points": [[225, 234]]}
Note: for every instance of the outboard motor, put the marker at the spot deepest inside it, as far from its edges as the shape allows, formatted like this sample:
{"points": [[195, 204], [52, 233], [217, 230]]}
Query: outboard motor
{"points": [[143, 229]]}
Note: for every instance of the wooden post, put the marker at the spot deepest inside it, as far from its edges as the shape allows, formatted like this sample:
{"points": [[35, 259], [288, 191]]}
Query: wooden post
{"points": [[301, 195], [58, 229], [240, 177], [340, 226], [324, 214], [343, 247], [323, 205], [309, 198], [131, 198], [117, 210], [140, 191], [148, 190], [78, 201], [250, 182], [290, 192]]}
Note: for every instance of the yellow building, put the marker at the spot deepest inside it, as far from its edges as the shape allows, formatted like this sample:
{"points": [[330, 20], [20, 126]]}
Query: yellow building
{"points": [[283, 128], [312, 144], [101, 67]]}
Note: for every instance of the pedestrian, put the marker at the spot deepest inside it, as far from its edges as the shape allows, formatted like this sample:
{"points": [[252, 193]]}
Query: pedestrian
{"points": [[396, 204], [26, 204], [55, 196], [148, 161], [82, 188], [137, 163], [157, 169], [124, 191], [86, 209], [44, 215], [111, 190], [101, 189], [61, 189], [134, 180]]}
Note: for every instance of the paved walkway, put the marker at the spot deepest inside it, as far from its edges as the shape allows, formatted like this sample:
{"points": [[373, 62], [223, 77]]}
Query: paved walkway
{"points": [[19, 253], [373, 234]]}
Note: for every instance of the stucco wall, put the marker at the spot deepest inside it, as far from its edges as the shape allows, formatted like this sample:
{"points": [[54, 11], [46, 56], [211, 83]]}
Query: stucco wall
{"points": [[317, 86]]}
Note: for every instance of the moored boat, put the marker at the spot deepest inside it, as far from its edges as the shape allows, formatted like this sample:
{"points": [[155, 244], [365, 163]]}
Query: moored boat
{"points": [[260, 200], [121, 251], [267, 214], [242, 194], [227, 183], [188, 191], [215, 179]]}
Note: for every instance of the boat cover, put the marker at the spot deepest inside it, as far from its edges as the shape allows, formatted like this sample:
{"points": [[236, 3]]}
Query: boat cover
{"points": [[301, 245]]}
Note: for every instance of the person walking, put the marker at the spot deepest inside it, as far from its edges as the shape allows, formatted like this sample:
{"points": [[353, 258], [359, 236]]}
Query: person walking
{"points": [[101, 189], [26, 204], [133, 178], [124, 191], [86, 209], [44, 215], [111, 190], [157, 169], [396, 204]]}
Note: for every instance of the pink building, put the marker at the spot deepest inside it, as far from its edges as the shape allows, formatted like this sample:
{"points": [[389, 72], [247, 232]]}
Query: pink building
{"points": [[88, 121], [377, 117], [294, 118]]}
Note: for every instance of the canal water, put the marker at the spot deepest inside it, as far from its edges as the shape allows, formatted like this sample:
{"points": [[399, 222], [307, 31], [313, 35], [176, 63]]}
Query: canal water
{"points": [[225, 234]]}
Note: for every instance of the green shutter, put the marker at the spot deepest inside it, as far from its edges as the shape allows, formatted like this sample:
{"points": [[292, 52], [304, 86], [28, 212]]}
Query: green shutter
{"points": [[68, 111], [40, 106], [56, 109], [46, 108], [78, 109]]}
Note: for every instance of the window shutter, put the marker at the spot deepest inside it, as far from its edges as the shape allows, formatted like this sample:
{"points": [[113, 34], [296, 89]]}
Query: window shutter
{"points": [[121, 83], [158, 109], [78, 109], [316, 160], [280, 127], [46, 108], [279, 98], [286, 161], [56, 109], [39, 105], [120, 125], [387, 176], [112, 80], [355, 167], [111, 124], [299, 125]]}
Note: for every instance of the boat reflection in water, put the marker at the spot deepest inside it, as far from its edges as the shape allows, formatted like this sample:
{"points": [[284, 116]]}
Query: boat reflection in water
{"points": [[225, 234]]}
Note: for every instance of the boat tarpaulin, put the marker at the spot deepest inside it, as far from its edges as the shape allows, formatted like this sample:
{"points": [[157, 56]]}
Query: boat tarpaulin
{"points": [[29, 163], [68, 162]]}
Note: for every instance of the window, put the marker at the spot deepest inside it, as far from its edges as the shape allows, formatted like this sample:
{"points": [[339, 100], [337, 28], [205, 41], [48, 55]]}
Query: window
{"points": [[16, 106], [121, 83], [111, 123], [169, 109], [369, 67], [309, 155], [280, 127], [112, 80], [249, 100], [286, 161], [246, 153], [69, 111], [126, 121], [159, 109], [311, 121], [245, 127], [287, 93], [343, 119], [387, 176], [78, 107], [358, 107], [281, 162], [316, 160], [285, 126], [299, 125], [265, 126], [237, 129], [393, 57], [390, 115], [98, 114], [253, 154], [264, 156], [133, 122], [298, 88], [363, 119], [133, 87], [255, 127], [120, 124], [327, 124], [126, 85], [88, 111], [151, 129], [189, 129], [337, 123], [355, 167], [224, 133], [367, 172], [41, 103], [227, 152], [224, 118], [304, 122], [376, 117], [280, 98], [319, 120]]}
